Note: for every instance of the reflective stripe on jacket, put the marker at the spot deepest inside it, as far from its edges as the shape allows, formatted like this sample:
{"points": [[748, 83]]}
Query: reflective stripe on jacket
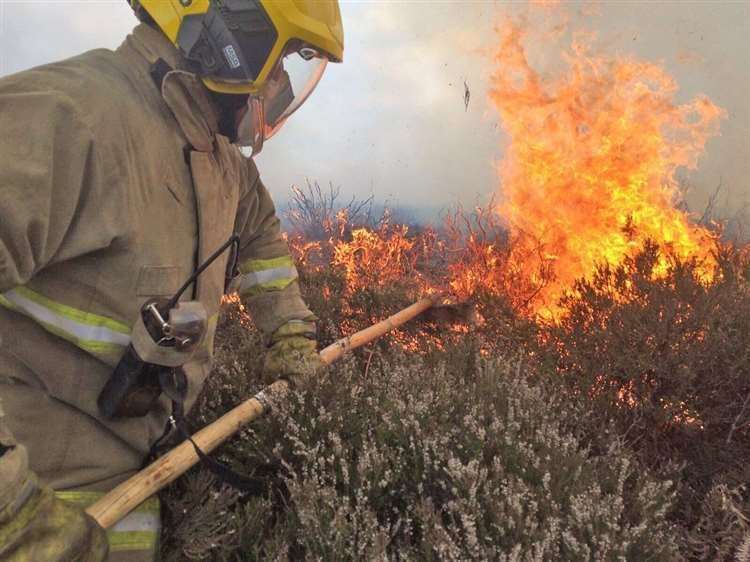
{"points": [[95, 334], [139, 530]]}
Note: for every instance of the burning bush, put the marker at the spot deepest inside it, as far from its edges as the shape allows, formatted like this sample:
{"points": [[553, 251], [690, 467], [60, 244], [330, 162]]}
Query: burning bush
{"points": [[621, 430], [589, 172], [667, 358], [627, 433]]}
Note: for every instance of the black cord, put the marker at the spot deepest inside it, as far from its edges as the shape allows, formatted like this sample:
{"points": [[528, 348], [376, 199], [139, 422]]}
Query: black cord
{"points": [[241, 482], [234, 240], [225, 474]]}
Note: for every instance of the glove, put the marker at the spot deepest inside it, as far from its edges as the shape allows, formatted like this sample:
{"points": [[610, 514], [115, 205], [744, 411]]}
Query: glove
{"points": [[35, 526], [292, 354]]}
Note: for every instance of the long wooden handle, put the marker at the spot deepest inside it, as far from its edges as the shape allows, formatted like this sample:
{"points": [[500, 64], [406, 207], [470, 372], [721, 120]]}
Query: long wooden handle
{"points": [[130, 494]]}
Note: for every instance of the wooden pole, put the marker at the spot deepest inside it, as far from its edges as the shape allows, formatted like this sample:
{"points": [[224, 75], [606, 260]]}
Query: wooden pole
{"points": [[130, 494]]}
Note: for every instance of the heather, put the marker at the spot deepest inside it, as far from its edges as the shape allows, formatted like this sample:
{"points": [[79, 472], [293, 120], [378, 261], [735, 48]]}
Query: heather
{"points": [[617, 430]]}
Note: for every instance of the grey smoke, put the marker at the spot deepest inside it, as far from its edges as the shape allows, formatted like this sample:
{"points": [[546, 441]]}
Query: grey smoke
{"points": [[392, 120]]}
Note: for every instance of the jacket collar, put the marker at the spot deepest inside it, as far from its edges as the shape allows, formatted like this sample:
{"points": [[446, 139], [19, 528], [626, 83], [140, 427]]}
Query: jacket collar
{"points": [[182, 91]]}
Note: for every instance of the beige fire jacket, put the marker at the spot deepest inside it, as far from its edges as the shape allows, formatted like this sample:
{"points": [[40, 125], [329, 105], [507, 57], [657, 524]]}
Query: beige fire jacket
{"points": [[112, 192]]}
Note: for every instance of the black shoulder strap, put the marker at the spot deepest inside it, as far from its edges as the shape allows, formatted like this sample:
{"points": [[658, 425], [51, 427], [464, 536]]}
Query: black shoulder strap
{"points": [[158, 71]]}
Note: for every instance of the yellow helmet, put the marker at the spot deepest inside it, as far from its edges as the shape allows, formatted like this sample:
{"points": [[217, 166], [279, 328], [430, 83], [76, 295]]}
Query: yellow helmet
{"points": [[235, 45], [273, 50]]}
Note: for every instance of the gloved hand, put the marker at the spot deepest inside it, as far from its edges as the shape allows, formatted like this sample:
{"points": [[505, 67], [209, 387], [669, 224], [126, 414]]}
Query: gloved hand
{"points": [[292, 353], [35, 526]]}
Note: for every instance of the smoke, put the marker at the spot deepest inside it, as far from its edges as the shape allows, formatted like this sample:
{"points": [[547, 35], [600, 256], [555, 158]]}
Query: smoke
{"points": [[391, 119]]}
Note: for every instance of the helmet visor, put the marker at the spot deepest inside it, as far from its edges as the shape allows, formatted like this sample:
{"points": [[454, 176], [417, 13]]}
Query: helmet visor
{"points": [[286, 89], [290, 85]]}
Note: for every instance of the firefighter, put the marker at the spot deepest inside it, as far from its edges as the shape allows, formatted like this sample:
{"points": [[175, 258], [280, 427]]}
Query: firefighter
{"points": [[120, 172]]}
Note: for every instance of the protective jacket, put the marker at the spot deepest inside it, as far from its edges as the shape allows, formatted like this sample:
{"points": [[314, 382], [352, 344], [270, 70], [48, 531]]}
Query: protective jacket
{"points": [[114, 185]]}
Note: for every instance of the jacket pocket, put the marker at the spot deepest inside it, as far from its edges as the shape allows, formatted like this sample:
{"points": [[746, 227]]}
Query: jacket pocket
{"points": [[159, 281]]}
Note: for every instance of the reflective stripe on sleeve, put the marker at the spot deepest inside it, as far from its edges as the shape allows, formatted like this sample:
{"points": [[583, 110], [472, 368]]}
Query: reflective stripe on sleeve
{"points": [[259, 276], [139, 530], [95, 334]]}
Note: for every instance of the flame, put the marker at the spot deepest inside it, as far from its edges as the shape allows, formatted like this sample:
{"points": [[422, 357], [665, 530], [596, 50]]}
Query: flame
{"points": [[589, 176], [375, 258], [589, 173]]}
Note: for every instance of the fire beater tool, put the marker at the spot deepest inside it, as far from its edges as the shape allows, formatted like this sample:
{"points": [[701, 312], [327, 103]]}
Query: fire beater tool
{"points": [[127, 496]]}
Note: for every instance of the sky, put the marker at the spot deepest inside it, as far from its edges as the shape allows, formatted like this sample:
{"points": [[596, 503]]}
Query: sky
{"points": [[391, 121]]}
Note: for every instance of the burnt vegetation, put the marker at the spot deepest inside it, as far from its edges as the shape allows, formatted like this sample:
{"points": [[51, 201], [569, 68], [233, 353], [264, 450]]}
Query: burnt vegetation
{"points": [[620, 429]]}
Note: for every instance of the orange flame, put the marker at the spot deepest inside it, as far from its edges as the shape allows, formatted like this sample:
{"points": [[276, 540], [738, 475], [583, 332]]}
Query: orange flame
{"points": [[589, 173], [375, 258]]}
